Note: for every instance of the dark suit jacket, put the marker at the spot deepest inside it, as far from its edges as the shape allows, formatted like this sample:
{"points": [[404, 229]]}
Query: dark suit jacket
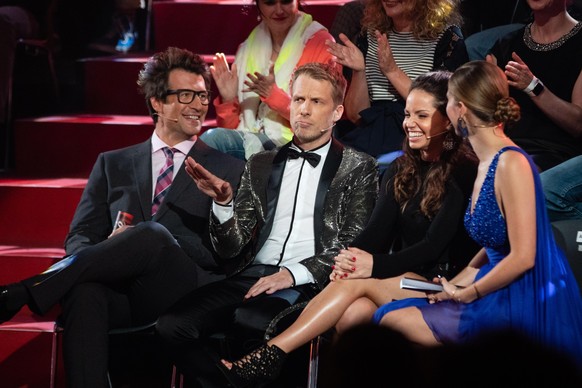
{"points": [[346, 195], [122, 180]]}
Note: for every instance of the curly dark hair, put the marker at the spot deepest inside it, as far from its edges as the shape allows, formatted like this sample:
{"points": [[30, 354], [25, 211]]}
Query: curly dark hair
{"points": [[407, 182], [153, 78]]}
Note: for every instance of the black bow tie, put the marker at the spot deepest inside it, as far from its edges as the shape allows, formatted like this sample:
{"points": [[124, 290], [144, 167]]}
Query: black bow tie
{"points": [[311, 157]]}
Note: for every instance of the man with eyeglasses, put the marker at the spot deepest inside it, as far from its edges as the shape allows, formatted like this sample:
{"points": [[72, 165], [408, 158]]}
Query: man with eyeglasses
{"points": [[126, 277]]}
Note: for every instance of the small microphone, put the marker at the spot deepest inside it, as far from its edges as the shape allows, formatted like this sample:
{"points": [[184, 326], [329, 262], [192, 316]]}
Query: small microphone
{"points": [[298, 127], [327, 129], [438, 134], [167, 118]]}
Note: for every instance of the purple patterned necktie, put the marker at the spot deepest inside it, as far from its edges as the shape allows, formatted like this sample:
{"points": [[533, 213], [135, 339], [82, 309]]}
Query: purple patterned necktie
{"points": [[164, 179]]}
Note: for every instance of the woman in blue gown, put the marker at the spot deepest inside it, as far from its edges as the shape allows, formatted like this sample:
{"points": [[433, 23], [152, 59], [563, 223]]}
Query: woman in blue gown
{"points": [[520, 280]]}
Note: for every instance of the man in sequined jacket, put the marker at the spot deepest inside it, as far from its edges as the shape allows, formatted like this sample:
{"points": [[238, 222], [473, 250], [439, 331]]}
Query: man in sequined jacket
{"points": [[296, 206]]}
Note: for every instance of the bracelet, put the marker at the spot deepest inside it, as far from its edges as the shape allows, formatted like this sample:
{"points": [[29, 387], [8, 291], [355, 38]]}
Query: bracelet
{"points": [[477, 291], [458, 300]]}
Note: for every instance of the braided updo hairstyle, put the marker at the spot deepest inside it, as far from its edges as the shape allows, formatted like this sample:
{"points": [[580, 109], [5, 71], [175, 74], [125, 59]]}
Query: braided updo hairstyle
{"points": [[483, 88]]}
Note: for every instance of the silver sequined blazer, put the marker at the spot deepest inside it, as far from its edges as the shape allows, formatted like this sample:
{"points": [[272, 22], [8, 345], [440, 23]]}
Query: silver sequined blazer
{"points": [[346, 195]]}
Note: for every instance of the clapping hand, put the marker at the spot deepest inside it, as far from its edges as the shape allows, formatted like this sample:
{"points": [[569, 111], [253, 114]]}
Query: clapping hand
{"points": [[226, 79], [211, 185], [385, 58], [346, 54], [518, 73], [261, 84]]}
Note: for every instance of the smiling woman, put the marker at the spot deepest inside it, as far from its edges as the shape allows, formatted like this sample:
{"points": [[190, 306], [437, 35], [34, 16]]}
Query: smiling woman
{"points": [[415, 231], [400, 40]]}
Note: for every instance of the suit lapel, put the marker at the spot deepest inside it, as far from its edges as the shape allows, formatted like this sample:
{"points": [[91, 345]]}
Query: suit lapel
{"points": [[332, 163], [142, 170], [272, 193]]}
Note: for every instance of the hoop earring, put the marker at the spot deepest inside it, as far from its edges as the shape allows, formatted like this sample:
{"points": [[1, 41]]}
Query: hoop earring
{"points": [[449, 141], [462, 127]]}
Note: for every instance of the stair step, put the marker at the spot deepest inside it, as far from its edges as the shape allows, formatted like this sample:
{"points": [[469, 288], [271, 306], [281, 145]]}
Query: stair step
{"points": [[37, 213], [27, 339], [17, 262], [25, 359], [173, 22], [44, 146], [57, 146], [110, 85], [120, 93]]}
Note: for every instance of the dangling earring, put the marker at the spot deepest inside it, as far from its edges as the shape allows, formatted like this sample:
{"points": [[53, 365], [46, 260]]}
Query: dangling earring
{"points": [[449, 141], [258, 18], [462, 127]]}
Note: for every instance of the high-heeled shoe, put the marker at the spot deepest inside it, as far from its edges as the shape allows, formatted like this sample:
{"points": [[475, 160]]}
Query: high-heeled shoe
{"points": [[6, 313], [262, 365]]}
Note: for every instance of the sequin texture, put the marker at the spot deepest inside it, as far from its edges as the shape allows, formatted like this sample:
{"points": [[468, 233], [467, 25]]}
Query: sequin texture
{"points": [[486, 224]]}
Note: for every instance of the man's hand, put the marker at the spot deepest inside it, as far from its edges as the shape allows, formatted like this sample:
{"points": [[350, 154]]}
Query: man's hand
{"points": [[211, 185], [269, 284], [119, 230]]}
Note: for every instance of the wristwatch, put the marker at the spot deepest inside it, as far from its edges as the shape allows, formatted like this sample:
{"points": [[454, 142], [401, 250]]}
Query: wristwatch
{"points": [[537, 89], [534, 88]]}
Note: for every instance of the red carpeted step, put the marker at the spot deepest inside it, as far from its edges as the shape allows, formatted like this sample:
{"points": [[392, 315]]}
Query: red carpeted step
{"points": [[25, 358], [27, 339], [67, 146], [37, 213], [110, 85], [121, 72], [209, 26], [17, 262]]}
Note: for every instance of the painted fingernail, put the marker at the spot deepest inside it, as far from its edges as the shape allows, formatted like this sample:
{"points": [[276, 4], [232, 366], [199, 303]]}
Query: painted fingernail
{"points": [[333, 267], [354, 258], [353, 268]]}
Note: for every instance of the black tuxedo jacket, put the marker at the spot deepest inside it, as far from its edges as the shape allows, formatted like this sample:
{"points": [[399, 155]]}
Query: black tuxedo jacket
{"points": [[346, 195]]}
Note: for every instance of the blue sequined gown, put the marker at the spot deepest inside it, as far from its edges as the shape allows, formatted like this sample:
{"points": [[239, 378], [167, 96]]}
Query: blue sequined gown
{"points": [[544, 302]]}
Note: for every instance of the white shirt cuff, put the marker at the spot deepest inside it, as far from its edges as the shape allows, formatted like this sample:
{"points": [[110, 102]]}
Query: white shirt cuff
{"points": [[223, 212], [300, 274]]}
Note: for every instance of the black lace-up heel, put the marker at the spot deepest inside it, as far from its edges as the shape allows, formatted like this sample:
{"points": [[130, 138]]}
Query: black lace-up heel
{"points": [[262, 365]]}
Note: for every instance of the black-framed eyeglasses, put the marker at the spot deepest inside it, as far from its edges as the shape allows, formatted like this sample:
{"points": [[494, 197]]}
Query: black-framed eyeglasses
{"points": [[186, 96]]}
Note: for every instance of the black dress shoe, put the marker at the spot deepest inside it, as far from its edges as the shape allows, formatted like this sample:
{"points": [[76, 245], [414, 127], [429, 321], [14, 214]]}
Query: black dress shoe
{"points": [[6, 313]]}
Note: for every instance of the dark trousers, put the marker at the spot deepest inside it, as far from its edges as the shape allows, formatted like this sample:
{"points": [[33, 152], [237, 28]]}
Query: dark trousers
{"points": [[187, 329], [127, 280]]}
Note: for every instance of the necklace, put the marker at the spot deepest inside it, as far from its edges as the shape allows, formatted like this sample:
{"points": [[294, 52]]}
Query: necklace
{"points": [[535, 46]]}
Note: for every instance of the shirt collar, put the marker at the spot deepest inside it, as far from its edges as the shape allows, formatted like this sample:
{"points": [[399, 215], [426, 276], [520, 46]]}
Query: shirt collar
{"points": [[184, 146]]}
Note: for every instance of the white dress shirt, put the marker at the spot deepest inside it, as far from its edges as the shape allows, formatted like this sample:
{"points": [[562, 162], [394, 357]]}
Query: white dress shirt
{"points": [[297, 204]]}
